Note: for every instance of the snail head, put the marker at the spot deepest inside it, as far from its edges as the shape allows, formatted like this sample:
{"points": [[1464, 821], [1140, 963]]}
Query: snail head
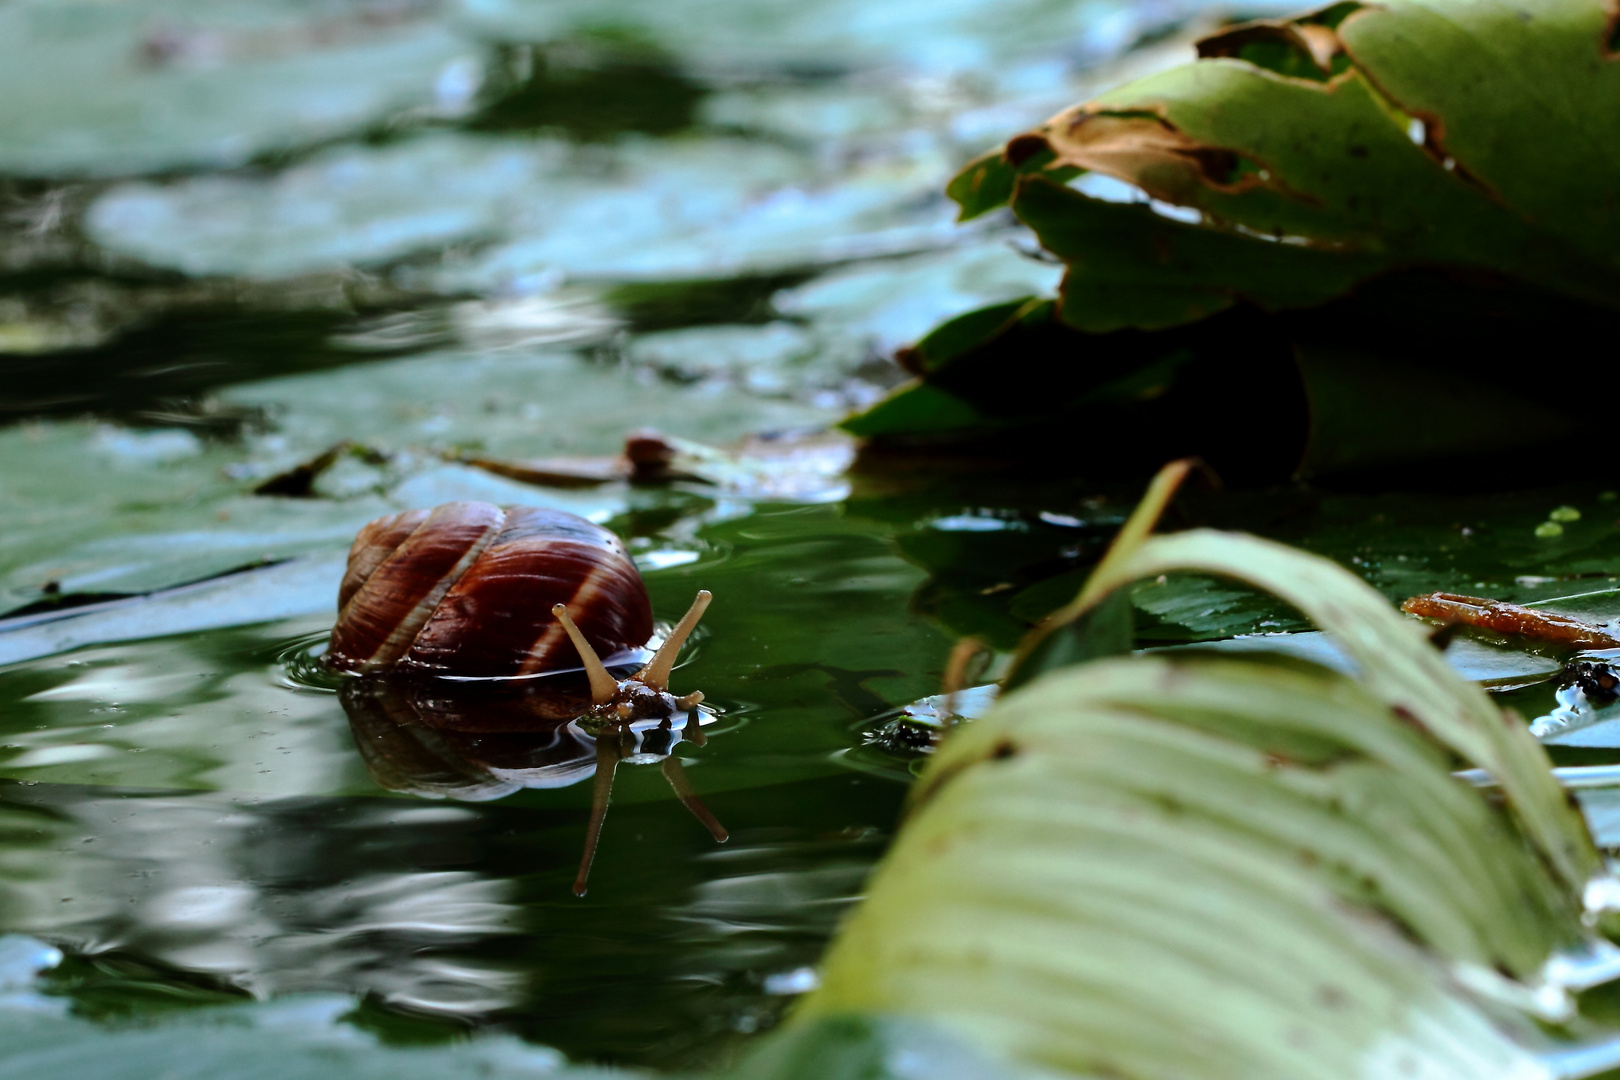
{"points": [[618, 704], [644, 695]]}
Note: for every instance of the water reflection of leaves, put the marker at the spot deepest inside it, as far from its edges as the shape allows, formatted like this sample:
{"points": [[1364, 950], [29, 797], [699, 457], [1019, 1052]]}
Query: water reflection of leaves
{"points": [[250, 893]]}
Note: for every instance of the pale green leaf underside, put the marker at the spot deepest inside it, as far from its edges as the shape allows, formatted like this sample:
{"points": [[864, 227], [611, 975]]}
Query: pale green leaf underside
{"points": [[1181, 865]]}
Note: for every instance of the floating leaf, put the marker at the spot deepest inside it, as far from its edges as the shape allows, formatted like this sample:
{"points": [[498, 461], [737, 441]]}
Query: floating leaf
{"points": [[294, 1039], [354, 205], [1331, 165], [284, 590], [117, 89]]}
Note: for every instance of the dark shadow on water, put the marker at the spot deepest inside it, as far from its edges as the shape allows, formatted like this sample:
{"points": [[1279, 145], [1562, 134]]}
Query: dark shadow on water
{"points": [[161, 373], [589, 102]]}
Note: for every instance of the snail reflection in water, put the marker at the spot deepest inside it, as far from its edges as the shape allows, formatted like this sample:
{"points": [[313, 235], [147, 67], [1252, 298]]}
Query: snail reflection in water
{"points": [[473, 624]]}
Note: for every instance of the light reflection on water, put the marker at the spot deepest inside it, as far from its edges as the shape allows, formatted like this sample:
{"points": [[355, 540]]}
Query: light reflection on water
{"points": [[452, 910], [268, 895]]}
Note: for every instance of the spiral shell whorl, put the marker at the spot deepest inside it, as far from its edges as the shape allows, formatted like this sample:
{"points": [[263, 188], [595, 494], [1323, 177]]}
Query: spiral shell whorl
{"points": [[467, 589]]}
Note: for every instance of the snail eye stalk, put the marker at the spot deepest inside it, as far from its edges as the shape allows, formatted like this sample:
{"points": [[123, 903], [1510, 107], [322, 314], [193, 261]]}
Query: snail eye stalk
{"points": [[603, 685], [656, 673]]}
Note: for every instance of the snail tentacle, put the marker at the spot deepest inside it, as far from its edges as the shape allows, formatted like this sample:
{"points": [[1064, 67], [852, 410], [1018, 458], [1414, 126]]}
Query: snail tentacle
{"points": [[656, 673], [603, 686]]}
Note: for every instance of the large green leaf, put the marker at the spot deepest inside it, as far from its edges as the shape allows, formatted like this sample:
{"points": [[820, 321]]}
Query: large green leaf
{"points": [[1144, 865], [1428, 167], [1206, 865], [1507, 170]]}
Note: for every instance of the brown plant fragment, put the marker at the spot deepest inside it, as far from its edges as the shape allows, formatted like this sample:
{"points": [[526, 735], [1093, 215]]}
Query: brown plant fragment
{"points": [[788, 465], [1148, 151], [646, 459], [575, 472], [1511, 619], [298, 482], [1611, 32]]}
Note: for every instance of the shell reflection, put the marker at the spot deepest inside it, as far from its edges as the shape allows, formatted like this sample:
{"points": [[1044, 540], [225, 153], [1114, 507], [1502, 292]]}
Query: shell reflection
{"points": [[478, 741]]}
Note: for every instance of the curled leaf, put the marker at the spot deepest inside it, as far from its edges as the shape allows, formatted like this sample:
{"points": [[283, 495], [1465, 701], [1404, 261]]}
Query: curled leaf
{"points": [[1183, 864]]}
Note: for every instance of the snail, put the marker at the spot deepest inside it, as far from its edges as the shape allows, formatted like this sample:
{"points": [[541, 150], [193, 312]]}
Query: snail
{"points": [[464, 615]]}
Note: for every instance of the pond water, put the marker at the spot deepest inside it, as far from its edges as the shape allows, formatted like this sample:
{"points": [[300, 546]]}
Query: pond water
{"points": [[515, 231]]}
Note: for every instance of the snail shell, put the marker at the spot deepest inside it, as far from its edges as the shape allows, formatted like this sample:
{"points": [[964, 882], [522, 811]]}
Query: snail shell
{"points": [[467, 588]]}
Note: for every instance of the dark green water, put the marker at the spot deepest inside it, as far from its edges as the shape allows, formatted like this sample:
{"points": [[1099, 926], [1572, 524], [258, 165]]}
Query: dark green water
{"points": [[189, 816], [183, 806]]}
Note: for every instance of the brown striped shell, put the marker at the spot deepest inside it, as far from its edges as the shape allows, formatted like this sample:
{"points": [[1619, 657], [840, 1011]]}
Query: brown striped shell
{"points": [[467, 588]]}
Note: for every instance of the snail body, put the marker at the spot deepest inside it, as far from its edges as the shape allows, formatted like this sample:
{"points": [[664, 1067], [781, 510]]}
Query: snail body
{"points": [[472, 590]]}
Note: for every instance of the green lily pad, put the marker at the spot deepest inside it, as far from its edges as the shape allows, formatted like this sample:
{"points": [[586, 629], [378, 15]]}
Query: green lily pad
{"points": [[707, 208], [638, 209], [300, 1038], [119, 89], [726, 38], [887, 305], [354, 205], [102, 509]]}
